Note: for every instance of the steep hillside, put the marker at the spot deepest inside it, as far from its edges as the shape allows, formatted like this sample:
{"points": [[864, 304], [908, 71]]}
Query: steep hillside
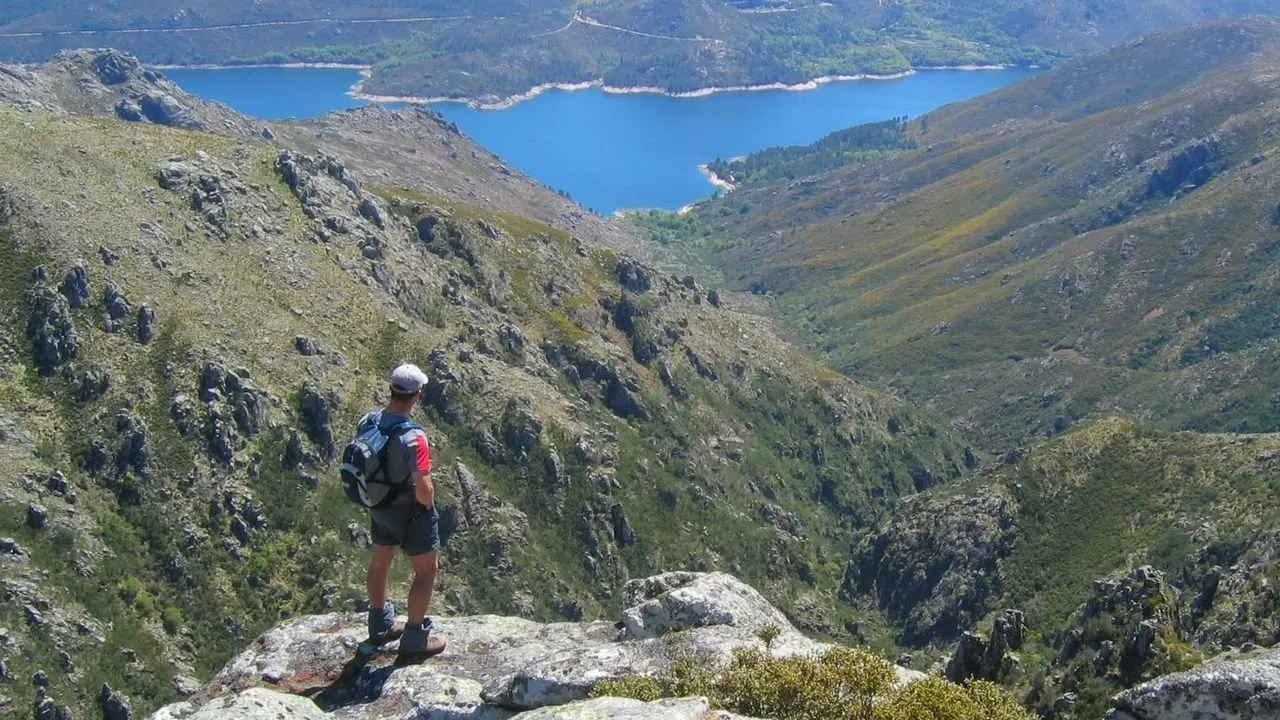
{"points": [[194, 321], [1098, 238], [500, 48]]}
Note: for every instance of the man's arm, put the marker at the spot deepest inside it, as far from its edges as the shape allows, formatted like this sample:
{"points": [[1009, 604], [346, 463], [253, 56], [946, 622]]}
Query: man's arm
{"points": [[424, 490]]}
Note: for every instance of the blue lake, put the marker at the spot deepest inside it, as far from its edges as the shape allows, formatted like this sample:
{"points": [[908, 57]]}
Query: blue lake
{"points": [[611, 151]]}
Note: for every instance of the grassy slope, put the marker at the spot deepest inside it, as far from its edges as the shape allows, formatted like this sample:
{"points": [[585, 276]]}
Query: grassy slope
{"points": [[1021, 241], [692, 479]]}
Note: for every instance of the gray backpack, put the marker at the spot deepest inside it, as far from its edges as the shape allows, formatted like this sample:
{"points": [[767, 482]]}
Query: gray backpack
{"points": [[364, 465]]}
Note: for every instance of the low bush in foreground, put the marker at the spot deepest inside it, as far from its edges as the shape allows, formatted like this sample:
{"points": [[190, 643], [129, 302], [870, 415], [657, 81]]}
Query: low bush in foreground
{"points": [[841, 684]]}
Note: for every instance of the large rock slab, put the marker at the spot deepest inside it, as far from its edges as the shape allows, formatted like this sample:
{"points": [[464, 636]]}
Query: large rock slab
{"points": [[624, 709], [1240, 689], [252, 704], [500, 667]]}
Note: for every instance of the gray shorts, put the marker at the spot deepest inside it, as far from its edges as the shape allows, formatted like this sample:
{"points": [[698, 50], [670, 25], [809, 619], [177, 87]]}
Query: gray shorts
{"points": [[409, 527]]}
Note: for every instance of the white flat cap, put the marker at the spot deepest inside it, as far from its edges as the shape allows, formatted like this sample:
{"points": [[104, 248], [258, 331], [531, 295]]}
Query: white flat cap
{"points": [[408, 379]]}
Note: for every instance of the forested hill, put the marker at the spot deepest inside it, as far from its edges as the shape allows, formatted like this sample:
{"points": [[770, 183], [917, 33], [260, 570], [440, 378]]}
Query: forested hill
{"points": [[493, 48], [860, 143]]}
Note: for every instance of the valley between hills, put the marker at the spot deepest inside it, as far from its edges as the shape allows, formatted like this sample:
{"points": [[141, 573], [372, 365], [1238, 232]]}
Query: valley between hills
{"points": [[1030, 439]]}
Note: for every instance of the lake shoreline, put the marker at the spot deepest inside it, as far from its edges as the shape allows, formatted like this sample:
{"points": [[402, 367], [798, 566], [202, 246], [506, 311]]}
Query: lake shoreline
{"points": [[513, 100], [503, 103], [715, 179]]}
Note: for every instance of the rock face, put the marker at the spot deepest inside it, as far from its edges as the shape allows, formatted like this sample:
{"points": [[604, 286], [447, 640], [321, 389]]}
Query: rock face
{"points": [[1243, 689], [500, 667]]}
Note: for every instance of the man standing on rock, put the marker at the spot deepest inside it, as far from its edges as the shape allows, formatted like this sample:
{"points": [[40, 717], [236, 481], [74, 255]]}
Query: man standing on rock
{"points": [[409, 523]]}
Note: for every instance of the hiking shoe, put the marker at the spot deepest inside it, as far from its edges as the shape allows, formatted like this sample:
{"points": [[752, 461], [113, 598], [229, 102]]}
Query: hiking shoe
{"points": [[418, 644], [434, 646]]}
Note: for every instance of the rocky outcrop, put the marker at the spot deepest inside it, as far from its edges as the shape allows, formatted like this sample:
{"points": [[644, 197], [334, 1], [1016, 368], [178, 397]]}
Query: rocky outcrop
{"points": [[146, 324], [116, 306], [471, 512], [1129, 631], [1186, 170], [317, 414], [1141, 607], [992, 660], [94, 382], [1237, 689], [634, 277], [237, 409], [75, 286], [115, 706], [693, 708], [50, 329], [252, 704], [933, 567], [110, 82], [500, 667], [164, 109]]}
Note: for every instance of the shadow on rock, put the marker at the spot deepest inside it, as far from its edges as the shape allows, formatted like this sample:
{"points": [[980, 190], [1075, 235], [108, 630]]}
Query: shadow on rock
{"points": [[360, 683]]}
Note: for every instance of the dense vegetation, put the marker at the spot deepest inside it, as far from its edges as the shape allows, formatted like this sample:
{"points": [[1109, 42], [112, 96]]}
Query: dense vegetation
{"points": [[504, 47], [859, 144]]}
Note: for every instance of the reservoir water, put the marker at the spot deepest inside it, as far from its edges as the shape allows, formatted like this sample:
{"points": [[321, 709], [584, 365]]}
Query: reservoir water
{"points": [[611, 151]]}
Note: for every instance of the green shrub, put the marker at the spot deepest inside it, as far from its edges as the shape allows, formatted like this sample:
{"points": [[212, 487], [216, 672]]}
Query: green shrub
{"points": [[841, 684], [937, 699], [768, 634], [638, 687], [173, 619]]}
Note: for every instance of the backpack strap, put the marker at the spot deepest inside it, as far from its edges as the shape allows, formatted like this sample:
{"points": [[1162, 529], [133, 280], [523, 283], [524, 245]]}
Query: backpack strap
{"points": [[393, 432], [400, 428]]}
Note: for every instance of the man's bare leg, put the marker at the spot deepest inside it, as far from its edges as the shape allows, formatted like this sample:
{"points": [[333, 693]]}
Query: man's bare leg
{"points": [[379, 571], [425, 567], [382, 625], [418, 642]]}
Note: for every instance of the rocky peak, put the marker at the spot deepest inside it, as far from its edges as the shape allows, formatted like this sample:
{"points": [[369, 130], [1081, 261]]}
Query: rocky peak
{"points": [[111, 82]]}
